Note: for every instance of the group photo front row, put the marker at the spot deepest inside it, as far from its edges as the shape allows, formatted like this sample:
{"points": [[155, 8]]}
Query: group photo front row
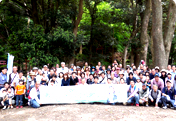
{"points": [[146, 87]]}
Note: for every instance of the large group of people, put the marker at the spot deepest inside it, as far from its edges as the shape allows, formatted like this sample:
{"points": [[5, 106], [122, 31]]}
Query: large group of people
{"points": [[146, 86]]}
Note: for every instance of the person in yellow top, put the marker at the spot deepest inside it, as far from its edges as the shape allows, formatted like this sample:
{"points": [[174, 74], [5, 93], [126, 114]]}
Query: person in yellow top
{"points": [[19, 92]]}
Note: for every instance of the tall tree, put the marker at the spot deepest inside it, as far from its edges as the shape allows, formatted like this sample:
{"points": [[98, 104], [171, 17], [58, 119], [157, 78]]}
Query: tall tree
{"points": [[144, 30], [162, 45]]}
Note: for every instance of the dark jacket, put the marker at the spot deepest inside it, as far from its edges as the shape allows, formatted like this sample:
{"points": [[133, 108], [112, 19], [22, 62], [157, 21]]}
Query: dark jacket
{"points": [[128, 80], [73, 81]]}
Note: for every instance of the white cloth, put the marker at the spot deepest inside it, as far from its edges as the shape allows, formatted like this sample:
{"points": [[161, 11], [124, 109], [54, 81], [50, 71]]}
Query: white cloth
{"points": [[33, 94], [64, 70]]}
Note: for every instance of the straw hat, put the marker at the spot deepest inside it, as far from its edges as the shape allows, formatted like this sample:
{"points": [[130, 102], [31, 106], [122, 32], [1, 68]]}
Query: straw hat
{"points": [[32, 74]]}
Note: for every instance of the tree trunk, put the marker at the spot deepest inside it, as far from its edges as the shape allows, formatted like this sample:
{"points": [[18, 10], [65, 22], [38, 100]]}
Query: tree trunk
{"points": [[125, 56], [144, 36], [76, 24], [158, 44], [152, 51], [132, 56], [35, 11], [169, 28]]}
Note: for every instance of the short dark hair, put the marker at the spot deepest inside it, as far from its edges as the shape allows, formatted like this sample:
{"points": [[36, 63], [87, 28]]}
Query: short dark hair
{"points": [[4, 68], [134, 70], [20, 80], [52, 81], [54, 76], [96, 77], [140, 73], [130, 74], [110, 79], [20, 71], [6, 83]]}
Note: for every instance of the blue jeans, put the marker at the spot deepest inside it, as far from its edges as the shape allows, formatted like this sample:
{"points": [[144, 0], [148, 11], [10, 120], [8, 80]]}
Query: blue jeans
{"points": [[19, 98], [134, 99], [6, 102], [34, 104], [165, 101]]}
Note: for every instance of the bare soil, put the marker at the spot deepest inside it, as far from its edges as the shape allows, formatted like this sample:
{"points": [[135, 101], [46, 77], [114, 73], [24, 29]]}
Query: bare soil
{"points": [[88, 112]]}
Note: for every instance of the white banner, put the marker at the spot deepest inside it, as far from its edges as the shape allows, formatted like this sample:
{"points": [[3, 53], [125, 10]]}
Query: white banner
{"points": [[83, 94], [9, 65]]}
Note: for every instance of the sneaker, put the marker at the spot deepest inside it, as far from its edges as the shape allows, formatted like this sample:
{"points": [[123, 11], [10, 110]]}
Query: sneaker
{"points": [[146, 105], [8, 107], [2, 103], [165, 107], [21, 106], [4, 107], [137, 105], [17, 107], [124, 103], [11, 107], [157, 107]]}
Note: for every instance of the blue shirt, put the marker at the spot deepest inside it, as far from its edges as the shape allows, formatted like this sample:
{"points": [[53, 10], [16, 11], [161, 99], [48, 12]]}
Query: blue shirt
{"points": [[173, 74], [169, 92], [3, 78]]}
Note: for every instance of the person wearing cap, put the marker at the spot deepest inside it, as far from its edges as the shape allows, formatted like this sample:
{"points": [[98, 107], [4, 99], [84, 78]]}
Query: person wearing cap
{"points": [[103, 78], [108, 73], [169, 77], [173, 72], [168, 95], [13, 77], [131, 77], [155, 96], [31, 81], [133, 96], [3, 77], [143, 95], [163, 75], [121, 75], [158, 81], [35, 69], [63, 68], [45, 69], [117, 72], [92, 70], [157, 70], [71, 67]]}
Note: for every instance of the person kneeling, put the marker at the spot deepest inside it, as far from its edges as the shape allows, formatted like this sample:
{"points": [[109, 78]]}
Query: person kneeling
{"points": [[35, 96], [144, 93], [155, 96], [168, 95], [133, 96]]}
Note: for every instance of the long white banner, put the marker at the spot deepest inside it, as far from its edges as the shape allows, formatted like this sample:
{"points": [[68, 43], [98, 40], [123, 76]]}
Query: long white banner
{"points": [[83, 94]]}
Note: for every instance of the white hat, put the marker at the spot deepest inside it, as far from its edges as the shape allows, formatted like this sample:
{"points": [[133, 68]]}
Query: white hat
{"points": [[35, 68], [163, 70], [45, 66], [32, 74], [121, 73], [157, 67], [62, 63]]}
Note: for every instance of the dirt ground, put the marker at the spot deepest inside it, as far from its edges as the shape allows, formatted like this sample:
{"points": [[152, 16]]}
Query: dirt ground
{"points": [[88, 112]]}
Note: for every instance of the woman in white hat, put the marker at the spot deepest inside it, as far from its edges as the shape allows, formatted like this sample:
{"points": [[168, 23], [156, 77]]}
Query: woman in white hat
{"points": [[31, 81]]}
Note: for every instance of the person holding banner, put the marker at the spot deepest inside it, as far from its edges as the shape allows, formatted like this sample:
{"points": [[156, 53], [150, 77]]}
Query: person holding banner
{"points": [[35, 96], [133, 96], [3, 77]]}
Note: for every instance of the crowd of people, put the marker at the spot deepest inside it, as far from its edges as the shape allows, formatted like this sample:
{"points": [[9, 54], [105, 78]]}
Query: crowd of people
{"points": [[146, 86]]}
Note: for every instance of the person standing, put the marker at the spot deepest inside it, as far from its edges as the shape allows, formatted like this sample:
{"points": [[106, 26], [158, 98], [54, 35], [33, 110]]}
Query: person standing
{"points": [[14, 77], [3, 77]]}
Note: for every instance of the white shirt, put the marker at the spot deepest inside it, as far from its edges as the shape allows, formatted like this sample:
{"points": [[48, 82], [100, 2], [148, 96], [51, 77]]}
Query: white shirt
{"points": [[22, 78], [104, 80], [33, 94], [14, 78], [64, 70]]}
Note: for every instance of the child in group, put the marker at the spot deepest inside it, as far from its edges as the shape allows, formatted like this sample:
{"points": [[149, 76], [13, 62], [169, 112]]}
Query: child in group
{"points": [[51, 83], [148, 82], [19, 92], [109, 81], [44, 79], [7, 100]]}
